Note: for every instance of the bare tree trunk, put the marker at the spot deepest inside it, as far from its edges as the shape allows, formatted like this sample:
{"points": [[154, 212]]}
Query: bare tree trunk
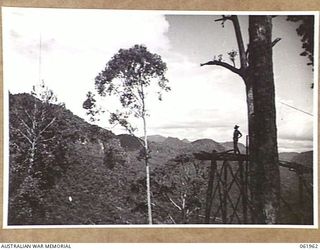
{"points": [[146, 154], [262, 122], [147, 170], [32, 155], [33, 139]]}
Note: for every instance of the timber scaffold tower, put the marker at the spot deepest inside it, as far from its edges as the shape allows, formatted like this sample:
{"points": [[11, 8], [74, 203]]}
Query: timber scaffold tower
{"points": [[228, 195]]}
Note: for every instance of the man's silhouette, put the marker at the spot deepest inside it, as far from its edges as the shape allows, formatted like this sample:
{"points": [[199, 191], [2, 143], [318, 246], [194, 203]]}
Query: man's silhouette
{"points": [[236, 135]]}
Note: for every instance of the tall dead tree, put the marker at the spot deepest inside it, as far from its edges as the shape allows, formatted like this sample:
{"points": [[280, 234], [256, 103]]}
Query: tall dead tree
{"points": [[256, 70], [32, 150]]}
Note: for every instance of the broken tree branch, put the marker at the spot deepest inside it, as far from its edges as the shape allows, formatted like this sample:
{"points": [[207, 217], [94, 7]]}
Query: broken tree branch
{"points": [[29, 116], [223, 64], [275, 41], [28, 129], [25, 136], [175, 204], [236, 25], [46, 127], [170, 217], [223, 19]]}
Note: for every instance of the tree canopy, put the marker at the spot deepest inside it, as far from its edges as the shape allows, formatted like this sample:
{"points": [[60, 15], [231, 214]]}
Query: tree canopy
{"points": [[306, 31], [134, 67]]}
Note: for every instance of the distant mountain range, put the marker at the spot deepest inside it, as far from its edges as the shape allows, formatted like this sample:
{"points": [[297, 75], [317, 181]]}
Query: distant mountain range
{"points": [[304, 158], [130, 143], [287, 156]]}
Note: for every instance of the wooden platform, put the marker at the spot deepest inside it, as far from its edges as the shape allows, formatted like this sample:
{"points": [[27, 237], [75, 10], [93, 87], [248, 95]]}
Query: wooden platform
{"points": [[230, 156], [223, 156]]}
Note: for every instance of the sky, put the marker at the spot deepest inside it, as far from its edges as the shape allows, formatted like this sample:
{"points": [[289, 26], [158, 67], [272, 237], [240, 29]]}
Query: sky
{"points": [[205, 102]]}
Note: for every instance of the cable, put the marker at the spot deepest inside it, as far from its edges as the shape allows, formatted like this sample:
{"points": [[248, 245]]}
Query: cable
{"points": [[296, 109], [40, 55]]}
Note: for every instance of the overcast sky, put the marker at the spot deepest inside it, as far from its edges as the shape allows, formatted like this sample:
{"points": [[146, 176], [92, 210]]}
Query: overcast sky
{"points": [[205, 102]]}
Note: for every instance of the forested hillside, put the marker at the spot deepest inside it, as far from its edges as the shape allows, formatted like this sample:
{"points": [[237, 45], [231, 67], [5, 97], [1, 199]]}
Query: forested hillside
{"points": [[72, 173]]}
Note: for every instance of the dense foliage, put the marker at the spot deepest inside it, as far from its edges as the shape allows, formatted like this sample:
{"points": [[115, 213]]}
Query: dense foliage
{"points": [[306, 31], [76, 166]]}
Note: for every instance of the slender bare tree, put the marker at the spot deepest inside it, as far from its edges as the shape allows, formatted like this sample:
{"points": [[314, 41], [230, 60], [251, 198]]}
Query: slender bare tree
{"points": [[127, 75]]}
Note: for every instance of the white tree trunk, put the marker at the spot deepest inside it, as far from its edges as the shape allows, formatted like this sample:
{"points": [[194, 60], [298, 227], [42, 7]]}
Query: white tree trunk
{"points": [[147, 170], [32, 155]]}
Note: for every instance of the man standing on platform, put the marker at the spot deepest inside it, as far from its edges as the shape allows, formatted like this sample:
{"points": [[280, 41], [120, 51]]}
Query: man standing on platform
{"points": [[236, 135]]}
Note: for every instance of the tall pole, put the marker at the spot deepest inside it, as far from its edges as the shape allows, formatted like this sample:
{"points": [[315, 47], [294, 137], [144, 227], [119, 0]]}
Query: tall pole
{"points": [[40, 58], [212, 170]]}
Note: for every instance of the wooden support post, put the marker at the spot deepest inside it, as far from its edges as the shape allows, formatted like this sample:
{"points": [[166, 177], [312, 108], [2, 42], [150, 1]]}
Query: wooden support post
{"points": [[225, 192], [212, 171], [243, 190], [301, 197], [248, 180]]}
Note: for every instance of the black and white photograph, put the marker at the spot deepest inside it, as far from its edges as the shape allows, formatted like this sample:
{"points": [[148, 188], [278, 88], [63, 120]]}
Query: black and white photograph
{"points": [[159, 118]]}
